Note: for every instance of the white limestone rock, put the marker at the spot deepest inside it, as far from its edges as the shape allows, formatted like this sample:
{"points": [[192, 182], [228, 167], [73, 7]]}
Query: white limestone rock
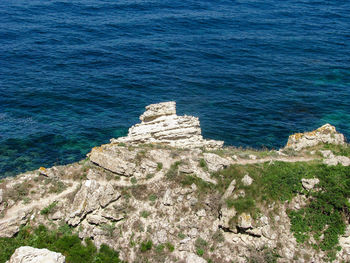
{"points": [[1, 195], [229, 190], [335, 160], [90, 197], [325, 134], [215, 162], [119, 160], [167, 199], [160, 124], [245, 221], [247, 180], [309, 184], [34, 255]]}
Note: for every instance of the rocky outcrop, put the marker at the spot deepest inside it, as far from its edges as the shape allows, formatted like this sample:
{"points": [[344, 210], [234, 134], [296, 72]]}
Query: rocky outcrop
{"points": [[90, 198], [35, 255], [128, 194], [325, 134], [160, 124]]}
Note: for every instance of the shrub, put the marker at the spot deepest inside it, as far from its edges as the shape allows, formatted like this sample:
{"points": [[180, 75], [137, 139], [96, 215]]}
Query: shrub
{"points": [[152, 197], [146, 246], [145, 214], [59, 240], [159, 166], [49, 208]]}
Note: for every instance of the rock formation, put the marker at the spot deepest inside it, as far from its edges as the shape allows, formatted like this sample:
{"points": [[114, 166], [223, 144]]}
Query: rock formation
{"points": [[325, 134], [160, 124], [35, 255], [183, 200]]}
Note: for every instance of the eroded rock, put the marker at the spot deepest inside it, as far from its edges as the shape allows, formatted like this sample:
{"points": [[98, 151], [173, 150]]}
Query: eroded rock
{"points": [[215, 162], [309, 184], [160, 124], [247, 180], [34, 255], [325, 134], [89, 198]]}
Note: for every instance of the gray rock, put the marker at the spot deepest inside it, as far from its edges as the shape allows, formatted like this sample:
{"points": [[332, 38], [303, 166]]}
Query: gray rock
{"points": [[215, 162], [34, 255], [167, 199], [327, 153], [1, 195], [245, 221], [193, 258], [309, 184], [247, 180], [117, 159], [335, 160], [230, 189], [89, 198], [325, 134]]}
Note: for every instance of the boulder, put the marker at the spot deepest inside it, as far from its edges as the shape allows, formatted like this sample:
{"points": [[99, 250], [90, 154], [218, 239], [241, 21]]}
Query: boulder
{"points": [[230, 189], [119, 160], [334, 160], [325, 134], [245, 221], [309, 184], [89, 198], [215, 162], [160, 124], [193, 258], [1, 195], [167, 199], [34, 255], [247, 180]]}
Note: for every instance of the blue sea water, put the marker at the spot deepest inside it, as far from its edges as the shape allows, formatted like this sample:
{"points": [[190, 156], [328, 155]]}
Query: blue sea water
{"points": [[75, 73]]}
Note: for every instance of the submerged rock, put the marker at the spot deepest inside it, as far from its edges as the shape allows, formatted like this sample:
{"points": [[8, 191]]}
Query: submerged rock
{"points": [[35, 255], [160, 124], [325, 134]]}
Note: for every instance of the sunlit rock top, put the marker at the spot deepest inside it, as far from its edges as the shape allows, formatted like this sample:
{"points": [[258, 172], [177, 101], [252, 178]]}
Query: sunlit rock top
{"points": [[160, 124], [325, 134]]}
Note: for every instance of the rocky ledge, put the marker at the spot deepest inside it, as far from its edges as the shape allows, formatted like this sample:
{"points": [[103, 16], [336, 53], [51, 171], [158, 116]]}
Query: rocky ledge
{"points": [[154, 202]]}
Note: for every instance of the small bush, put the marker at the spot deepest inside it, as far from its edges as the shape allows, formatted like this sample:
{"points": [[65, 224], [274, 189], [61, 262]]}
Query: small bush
{"points": [[146, 246], [47, 210], [145, 214], [152, 198], [203, 164], [170, 246], [159, 166], [61, 241]]}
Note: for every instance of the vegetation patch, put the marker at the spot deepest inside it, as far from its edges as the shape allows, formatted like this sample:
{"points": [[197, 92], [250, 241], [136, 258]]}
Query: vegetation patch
{"points": [[324, 216], [47, 210], [61, 240]]}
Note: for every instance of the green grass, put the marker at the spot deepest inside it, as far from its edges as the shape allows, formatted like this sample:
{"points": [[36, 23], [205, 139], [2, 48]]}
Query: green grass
{"points": [[146, 246], [47, 210], [61, 240], [152, 197], [145, 214]]}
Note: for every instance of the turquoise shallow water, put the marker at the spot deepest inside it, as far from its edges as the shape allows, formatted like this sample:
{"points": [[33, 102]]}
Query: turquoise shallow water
{"points": [[75, 73]]}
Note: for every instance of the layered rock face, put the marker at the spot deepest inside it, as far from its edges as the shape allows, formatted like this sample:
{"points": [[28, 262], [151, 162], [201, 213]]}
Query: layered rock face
{"points": [[160, 124], [325, 134], [35, 255]]}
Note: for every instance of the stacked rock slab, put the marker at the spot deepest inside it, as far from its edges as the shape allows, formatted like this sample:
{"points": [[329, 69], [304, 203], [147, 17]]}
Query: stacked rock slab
{"points": [[325, 134], [160, 124], [35, 255]]}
